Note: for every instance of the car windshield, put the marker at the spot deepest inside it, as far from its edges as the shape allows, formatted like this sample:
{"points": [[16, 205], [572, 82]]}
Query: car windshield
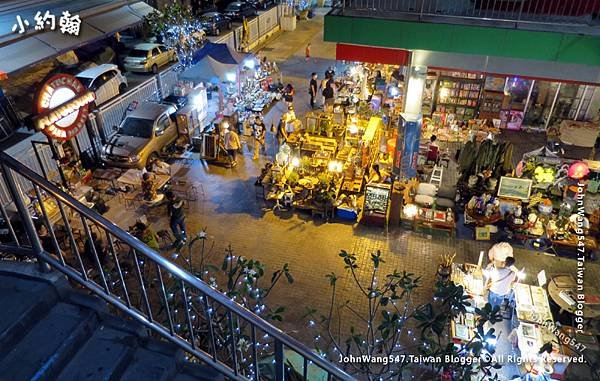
{"points": [[137, 127], [233, 7], [138, 53], [206, 19], [86, 81]]}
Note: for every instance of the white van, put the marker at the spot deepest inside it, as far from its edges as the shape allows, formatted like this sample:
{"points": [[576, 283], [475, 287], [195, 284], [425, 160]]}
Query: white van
{"points": [[105, 80]]}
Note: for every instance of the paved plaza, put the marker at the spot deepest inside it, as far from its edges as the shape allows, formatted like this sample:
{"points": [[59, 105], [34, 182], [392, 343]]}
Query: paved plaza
{"points": [[233, 215]]}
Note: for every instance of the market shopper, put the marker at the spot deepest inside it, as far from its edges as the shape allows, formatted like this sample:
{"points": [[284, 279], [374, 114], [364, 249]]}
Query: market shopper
{"points": [[312, 89], [288, 93], [145, 234], [232, 145], [501, 277], [148, 187], [328, 94], [258, 133], [176, 218], [329, 73]]}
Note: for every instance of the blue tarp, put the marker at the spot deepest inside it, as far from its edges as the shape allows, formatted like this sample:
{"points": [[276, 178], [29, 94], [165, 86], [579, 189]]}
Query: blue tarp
{"points": [[219, 52]]}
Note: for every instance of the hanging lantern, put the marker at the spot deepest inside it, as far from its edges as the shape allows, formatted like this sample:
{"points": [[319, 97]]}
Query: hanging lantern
{"points": [[578, 170]]}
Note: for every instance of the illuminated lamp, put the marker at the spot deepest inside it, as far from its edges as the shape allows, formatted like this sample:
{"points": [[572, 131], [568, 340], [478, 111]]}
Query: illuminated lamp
{"points": [[578, 170], [353, 129], [391, 145], [295, 162], [410, 210], [230, 77]]}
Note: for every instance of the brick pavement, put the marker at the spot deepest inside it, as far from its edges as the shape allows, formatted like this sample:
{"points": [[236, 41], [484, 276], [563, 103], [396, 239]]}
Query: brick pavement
{"points": [[233, 215]]}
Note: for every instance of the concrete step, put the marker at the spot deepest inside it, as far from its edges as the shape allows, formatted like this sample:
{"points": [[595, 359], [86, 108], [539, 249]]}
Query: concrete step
{"points": [[197, 372], [49, 344], [105, 356], [150, 365], [23, 301]]}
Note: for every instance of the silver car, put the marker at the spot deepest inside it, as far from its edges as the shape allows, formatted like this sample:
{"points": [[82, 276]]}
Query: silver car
{"points": [[142, 135], [149, 57]]}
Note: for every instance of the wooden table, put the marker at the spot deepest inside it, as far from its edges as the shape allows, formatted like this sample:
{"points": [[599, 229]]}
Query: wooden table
{"points": [[566, 282], [133, 177], [446, 226]]}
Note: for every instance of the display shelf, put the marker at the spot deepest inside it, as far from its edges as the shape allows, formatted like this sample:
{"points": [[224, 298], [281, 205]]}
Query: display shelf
{"points": [[491, 104], [458, 96]]}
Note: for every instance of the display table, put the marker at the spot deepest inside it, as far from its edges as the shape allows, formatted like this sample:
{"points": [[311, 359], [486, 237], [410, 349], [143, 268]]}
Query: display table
{"points": [[437, 221], [567, 284], [133, 177]]}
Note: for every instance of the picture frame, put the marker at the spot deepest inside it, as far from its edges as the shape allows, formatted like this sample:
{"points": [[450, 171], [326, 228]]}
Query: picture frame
{"points": [[515, 188], [482, 233]]}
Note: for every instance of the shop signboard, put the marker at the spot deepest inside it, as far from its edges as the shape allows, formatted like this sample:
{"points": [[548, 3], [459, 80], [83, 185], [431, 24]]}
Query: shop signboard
{"points": [[62, 107]]}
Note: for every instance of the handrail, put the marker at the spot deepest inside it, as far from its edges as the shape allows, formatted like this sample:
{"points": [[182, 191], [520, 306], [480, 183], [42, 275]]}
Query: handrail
{"points": [[188, 280], [549, 12]]}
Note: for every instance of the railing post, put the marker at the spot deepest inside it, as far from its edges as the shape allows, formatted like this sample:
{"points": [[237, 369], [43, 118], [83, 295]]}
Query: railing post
{"points": [[279, 361], [520, 10], [34, 240]]}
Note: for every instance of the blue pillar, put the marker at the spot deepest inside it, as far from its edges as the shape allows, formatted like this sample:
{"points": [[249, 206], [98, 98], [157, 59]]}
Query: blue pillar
{"points": [[409, 148]]}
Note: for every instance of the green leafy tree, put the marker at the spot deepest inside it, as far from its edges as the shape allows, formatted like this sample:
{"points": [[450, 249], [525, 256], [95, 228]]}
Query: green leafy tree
{"points": [[393, 326], [176, 27]]}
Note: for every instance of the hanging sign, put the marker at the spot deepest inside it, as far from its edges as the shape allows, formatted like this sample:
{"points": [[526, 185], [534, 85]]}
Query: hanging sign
{"points": [[62, 107]]}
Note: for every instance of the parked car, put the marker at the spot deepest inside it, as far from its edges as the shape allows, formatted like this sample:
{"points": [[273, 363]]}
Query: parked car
{"points": [[214, 22], [106, 81], [176, 100], [142, 135], [149, 57], [240, 9], [262, 4]]}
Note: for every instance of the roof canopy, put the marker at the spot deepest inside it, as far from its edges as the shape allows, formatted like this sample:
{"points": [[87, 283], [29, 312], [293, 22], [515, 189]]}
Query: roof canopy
{"points": [[208, 70], [99, 19], [220, 53]]}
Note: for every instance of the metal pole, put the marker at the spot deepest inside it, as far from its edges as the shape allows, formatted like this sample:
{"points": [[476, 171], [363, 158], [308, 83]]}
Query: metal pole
{"points": [[585, 89], [279, 361], [39, 159], [528, 98], [552, 107], [34, 240]]}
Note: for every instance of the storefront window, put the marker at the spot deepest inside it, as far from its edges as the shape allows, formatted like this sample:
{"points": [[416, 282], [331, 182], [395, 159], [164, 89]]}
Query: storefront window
{"points": [[517, 90], [568, 99], [540, 103]]}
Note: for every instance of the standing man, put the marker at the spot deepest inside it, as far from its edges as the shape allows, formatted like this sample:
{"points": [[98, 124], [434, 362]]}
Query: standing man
{"points": [[501, 278], [232, 145], [176, 218], [312, 90], [258, 132]]}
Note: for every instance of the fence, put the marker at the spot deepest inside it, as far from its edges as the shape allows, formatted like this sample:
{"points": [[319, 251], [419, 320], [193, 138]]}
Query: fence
{"points": [[110, 114], [582, 12], [167, 80], [171, 302]]}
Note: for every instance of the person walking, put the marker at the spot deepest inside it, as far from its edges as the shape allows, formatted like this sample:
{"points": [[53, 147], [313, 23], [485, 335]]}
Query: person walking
{"points": [[307, 52], [312, 89], [258, 133], [176, 218], [232, 145]]}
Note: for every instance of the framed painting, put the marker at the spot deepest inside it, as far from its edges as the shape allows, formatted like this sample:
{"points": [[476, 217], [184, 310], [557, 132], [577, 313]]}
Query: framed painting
{"points": [[515, 188], [482, 233]]}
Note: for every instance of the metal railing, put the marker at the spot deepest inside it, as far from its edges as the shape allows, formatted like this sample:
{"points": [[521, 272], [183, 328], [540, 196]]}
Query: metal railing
{"points": [[578, 12], [141, 284]]}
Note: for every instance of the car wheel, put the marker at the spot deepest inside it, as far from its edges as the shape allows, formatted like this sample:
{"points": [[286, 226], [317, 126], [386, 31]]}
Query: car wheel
{"points": [[153, 156], [122, 88], [154, 69]]}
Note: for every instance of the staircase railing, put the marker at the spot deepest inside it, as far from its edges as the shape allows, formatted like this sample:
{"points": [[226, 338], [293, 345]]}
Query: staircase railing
{"points": [[131, 277]]}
